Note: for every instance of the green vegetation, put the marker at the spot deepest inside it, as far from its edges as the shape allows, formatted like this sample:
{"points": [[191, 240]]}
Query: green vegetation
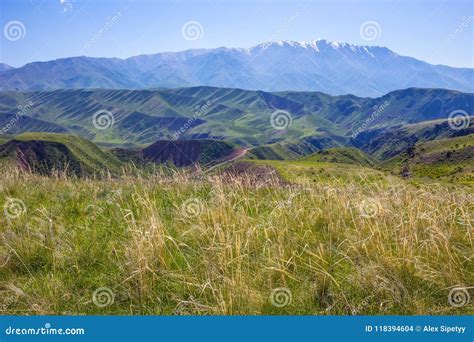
{"points": [[334, 229], [388, 142], [3, 140], [281, 151], [49, 152], [448, 160], [341, 155], [134, 118], [344, 240], [303, 172]]}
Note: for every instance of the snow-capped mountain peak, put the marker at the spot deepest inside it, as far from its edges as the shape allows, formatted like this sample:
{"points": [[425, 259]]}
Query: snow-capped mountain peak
{"points": [[317, 45], [318, 64]]}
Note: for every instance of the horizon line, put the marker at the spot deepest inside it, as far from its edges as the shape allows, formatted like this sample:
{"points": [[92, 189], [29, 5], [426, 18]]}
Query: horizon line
{"points": [[300, 42]]}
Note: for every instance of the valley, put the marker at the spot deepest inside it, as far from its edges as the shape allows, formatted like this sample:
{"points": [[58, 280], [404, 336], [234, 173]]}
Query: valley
{"points": [[199, 201]]}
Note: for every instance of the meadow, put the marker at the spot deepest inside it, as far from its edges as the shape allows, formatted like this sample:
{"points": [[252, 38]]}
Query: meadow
{"points": [[182, 242]]}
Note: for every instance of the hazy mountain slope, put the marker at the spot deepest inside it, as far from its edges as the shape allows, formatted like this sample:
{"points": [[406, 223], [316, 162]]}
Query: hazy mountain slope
{"points": [[16, 125], [4, 67], [318, 65]]}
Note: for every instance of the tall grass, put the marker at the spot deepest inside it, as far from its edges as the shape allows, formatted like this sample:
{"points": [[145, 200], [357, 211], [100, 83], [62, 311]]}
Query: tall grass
{"points": [[221, 244]]}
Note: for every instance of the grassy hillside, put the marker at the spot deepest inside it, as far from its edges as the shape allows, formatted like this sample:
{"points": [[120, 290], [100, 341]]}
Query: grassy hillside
{"points": [[139, 117], [189, 152], [47, 152], [282, 151], [4, 139], [341, 156], [272, 152], [449, 160], [292, 150], [179, 153], [344, 240], [304, 172], [385, 143]]}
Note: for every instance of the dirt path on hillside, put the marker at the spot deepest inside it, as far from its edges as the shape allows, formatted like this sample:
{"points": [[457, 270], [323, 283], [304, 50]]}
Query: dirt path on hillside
{"points": [[234, 155]]}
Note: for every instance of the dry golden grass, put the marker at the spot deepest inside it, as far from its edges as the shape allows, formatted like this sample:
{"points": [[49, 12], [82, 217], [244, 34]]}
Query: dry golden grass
{"points": [[181, 244]]}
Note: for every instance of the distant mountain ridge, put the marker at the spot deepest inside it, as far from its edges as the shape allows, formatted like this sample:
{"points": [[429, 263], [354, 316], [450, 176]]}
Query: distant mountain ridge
{"points": [[4, 67], [317, 65]]}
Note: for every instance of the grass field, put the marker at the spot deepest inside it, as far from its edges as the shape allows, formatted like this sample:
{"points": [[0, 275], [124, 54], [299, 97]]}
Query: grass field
{"points": [[306, 171], [326, 243]]}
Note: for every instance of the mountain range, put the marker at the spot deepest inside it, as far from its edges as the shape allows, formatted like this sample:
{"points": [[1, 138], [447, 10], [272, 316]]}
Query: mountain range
{"points": [[239, 116], [318, 65]]}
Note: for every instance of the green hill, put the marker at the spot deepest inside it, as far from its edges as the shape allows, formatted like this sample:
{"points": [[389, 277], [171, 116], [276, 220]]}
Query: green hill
{"points": [[180, 153], [306, 171], [4, 139], [141, 117], [343, 155], [272, 152], [295, 149], [281, 151], [450, 160], [48, 152], [385, 143]]}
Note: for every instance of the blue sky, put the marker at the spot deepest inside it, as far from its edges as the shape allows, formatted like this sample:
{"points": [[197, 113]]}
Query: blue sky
{"points": [[439, 32]]}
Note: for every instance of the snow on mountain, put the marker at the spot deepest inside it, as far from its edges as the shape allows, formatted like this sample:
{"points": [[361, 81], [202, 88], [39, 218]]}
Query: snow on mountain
{"points": [[317, 65]]}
